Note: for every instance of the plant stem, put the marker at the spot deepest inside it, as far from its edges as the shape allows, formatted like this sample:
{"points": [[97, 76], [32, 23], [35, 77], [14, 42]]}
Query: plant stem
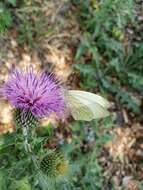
{"points": [[29, 151]]}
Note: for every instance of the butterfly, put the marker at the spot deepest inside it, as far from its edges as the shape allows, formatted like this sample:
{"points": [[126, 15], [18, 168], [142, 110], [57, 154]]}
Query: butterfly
{"points": [[86, 105]]}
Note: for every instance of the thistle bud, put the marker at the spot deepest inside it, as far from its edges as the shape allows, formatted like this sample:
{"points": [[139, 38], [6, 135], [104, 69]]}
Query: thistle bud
{"points": [[54, 164]]}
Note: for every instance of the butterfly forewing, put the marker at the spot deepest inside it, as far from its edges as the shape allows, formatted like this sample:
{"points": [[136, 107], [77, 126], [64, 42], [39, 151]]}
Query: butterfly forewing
{"points": [[79, 111], [90, 97]]}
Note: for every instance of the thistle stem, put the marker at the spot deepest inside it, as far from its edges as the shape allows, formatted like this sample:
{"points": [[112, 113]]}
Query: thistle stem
{"points": [[27, 146], [29, 151]]}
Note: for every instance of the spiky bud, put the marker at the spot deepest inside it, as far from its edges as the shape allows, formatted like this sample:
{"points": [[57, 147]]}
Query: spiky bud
{"points": [[54, 164], [26, 118]]}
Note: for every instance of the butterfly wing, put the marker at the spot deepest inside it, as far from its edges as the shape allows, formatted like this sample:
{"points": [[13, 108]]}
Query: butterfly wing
{"points": [[78, 110], [83, 95], [87, 106]]}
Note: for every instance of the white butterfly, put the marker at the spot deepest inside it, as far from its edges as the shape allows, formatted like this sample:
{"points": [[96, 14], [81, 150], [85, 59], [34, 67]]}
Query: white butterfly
{"points": [[86, 106]]}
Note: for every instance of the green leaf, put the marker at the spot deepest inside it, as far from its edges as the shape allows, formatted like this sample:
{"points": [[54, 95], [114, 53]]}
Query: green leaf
{"points": [[12, 2], [22, 184], [2, 181]]}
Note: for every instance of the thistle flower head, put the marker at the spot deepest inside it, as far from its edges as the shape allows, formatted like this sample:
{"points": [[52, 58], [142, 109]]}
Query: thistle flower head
{"points": [[38, 93]]}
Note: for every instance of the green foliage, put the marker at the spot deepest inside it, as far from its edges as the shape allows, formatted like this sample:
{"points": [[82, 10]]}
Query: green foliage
{"points": [[87, 172], [24, 162], [106, 58], [32, 23], [31, 30], [22, 184], [46, 131], [5, 18], [141, 185], [2, 181], [25, 33], [49, 169], [12, 2], [26, 17]]}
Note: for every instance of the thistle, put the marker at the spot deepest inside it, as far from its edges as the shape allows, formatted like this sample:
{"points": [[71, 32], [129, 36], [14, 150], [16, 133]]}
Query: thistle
{"points": [[39, 94], [54, 164], [35, 96]]}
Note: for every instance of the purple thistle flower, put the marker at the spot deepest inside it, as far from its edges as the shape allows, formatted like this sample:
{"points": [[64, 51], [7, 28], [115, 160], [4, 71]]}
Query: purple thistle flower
{"points": [[39, 93]]}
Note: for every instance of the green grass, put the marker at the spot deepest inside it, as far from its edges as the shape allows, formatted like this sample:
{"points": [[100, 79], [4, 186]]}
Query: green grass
{"points": [[5, 19]]}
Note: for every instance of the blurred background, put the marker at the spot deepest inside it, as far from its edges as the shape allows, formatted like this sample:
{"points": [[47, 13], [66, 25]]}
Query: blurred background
{"points": [[92, 45]]}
